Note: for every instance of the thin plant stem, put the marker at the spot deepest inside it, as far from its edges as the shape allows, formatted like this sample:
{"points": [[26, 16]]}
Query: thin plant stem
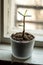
{"points": [[23, 26]]}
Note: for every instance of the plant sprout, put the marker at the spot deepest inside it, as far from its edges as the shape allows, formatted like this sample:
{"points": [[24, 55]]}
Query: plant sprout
{"points": [[24, 15]]}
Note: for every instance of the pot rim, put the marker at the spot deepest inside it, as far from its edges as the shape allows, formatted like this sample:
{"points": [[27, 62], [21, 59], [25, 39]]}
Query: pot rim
{"points": [[21, 41]]}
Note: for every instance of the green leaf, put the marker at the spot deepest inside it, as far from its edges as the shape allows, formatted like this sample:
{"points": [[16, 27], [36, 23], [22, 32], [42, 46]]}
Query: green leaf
{"points": [[25, 12]]}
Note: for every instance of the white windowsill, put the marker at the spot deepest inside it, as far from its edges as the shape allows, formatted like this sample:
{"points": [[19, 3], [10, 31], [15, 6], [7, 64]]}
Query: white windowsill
{"points": [[38, 38], [6, 54], [37, 33]]}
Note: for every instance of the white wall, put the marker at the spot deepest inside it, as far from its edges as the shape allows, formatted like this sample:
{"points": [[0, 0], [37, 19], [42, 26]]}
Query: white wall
{"points": [[0, 20]]}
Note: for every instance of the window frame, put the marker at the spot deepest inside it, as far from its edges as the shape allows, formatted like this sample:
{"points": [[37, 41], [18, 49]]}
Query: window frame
{"points": [[6, 39], [31, 7]]}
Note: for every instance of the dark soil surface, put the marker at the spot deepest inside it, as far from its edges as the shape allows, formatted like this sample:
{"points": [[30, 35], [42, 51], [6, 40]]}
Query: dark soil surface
{"points": [[18, 36]]}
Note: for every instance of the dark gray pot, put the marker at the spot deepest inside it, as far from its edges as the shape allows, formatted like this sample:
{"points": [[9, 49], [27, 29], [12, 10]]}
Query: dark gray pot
{"points": [[22, 49]]}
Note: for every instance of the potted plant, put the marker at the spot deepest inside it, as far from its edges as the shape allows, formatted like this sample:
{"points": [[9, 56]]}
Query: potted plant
{"points": [[22, 42]]}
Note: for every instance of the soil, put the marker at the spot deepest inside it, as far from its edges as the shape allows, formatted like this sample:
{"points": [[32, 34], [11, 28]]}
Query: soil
{"points": [[18, 36]]}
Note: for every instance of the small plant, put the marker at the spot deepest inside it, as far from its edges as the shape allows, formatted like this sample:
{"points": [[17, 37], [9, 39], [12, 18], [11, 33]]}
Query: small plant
{"points": [[20, 36], [24, 15], [21, 47]]}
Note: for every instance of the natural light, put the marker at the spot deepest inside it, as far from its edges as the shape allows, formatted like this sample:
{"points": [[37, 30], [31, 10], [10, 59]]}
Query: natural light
{"points": [[35, 21], [13, 21]]}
